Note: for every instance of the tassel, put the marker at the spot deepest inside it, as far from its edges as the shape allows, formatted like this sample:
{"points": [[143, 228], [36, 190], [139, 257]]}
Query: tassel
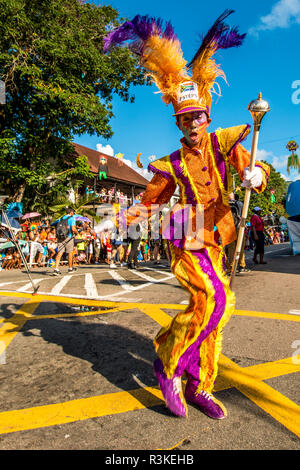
{"points": [[293, 163]]}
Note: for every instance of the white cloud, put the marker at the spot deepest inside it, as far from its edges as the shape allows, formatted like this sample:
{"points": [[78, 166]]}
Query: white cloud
{"points": [[142, 171], [283, 14], [262, 154], [152, 158], [279, 162], [107, 149]]}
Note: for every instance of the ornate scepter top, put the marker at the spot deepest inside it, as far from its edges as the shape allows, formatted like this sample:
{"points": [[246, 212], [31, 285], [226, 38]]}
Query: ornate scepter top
{"points": [[258, 108]]}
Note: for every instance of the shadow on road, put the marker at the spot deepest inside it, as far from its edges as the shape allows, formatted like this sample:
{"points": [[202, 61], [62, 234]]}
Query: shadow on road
{"points": [[124, 357]]}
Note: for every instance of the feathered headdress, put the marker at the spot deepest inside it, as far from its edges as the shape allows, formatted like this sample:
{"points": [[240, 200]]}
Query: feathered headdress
{"points": [[187, 86]]}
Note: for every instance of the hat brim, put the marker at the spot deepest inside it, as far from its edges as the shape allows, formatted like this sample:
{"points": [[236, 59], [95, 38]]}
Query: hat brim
{"points": [[190, 109]]}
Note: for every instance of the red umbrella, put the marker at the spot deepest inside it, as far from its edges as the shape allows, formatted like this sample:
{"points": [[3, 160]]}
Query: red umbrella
{"points": [[30, 215]]}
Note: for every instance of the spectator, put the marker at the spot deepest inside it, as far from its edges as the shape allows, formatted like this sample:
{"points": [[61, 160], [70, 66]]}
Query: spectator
{"points": [[108, 247], [65, 240], [89, 248], [134, 241], [36, 248], [97, 247], [257, 226], [8, 260], [236, 207], [45, 253], [52, 244], [42, 234], [117, 249]]}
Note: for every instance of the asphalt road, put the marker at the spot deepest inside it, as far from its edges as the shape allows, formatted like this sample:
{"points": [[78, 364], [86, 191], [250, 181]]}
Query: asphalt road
{"points": [[76, 373]]}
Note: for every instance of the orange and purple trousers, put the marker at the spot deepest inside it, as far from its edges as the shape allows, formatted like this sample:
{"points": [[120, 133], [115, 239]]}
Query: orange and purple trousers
{"points": [[192, 342]]}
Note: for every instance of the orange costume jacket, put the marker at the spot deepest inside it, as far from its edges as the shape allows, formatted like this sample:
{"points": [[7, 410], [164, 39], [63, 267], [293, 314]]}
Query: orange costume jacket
{"points": [[204, 178]]}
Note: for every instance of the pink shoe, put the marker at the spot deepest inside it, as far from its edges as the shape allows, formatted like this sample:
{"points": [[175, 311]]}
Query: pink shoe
{"points": [[171, 390], [207, 403]]}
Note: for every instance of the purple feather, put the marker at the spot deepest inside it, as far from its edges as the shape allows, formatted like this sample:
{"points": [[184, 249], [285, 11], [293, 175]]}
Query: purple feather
{"points": [[221, 35], [138, 30], [231, 38]]}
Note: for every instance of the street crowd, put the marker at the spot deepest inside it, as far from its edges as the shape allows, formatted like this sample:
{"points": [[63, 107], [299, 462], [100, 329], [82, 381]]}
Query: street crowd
{"points": [[40, 246]]}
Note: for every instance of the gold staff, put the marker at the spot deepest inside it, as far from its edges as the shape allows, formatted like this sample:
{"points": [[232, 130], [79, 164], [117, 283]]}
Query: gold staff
{"points": [[258, 108]]}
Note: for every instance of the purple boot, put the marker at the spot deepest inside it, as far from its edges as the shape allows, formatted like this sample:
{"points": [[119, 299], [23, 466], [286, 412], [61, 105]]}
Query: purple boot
{"points": [[207, 403], [171, 390]]}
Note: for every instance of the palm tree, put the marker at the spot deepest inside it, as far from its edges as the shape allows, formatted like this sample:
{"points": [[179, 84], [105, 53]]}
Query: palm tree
{"points": [[59, 209]]}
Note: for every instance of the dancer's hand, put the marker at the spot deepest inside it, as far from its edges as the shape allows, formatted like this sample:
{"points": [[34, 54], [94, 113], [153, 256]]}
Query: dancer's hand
{"points": [[252, 179]]}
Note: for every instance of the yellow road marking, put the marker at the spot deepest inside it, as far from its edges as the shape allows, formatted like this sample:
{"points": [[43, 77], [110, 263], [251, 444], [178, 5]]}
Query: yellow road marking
{"points": [[272, 316], [156, 313], [113, 403], [270, 400], [78, 410], [247, 380], [11, 326], [268, 370]]}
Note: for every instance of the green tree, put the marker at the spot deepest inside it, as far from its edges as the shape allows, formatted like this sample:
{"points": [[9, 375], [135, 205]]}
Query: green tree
{"points": [[59, 84]]}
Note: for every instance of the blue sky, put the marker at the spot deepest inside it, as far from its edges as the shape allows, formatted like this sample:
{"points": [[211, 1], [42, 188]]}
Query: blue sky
{"points": [[267, 62]]}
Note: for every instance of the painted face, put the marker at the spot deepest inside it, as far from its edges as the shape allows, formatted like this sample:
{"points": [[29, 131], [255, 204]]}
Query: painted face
{"points": [[193, 126]]}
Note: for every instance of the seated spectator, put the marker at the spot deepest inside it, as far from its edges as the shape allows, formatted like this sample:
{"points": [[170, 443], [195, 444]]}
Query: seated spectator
{"points": [[8, 260], [45, 253], [17, 260], [52, 243], [42, 234]]}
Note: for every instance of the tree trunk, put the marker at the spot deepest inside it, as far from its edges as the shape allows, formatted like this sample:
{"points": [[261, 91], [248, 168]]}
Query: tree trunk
{"points": [[18, 196]]}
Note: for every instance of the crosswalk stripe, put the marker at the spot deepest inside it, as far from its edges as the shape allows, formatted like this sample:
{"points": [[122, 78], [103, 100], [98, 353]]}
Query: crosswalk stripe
{"points": [[29, 285], [123, 283], [144, 276], [90, 286], [60, 285]]}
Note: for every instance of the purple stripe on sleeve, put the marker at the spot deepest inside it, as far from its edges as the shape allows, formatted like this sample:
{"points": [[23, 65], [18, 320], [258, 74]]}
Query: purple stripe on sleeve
{"points": [[240, 138], [175, 159], [165, 174]]}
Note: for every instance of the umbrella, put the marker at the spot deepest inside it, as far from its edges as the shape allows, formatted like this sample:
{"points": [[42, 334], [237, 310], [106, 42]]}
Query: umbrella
{"points": [[30, 215], [14, 224], [82, 218], [3, 246], [14, 214]]}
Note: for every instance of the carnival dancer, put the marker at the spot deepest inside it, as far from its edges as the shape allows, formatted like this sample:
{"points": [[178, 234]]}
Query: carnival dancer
{"points": [[191, 343]]}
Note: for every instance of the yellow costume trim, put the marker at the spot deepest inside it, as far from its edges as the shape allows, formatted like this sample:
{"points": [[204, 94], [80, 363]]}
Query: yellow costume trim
{"points": [[228, 311], [224, 193], [171, 363], [229, 136], [186, 173], [179, 182], [163, 164]]}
